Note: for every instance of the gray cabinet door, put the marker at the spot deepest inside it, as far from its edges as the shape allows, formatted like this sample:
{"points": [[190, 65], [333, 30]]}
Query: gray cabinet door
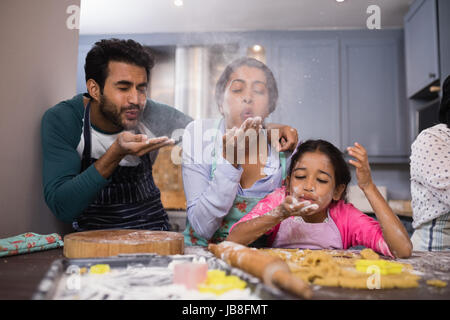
{"points": [[421, 45], [307, 73], [373, 103], [444, 39]]}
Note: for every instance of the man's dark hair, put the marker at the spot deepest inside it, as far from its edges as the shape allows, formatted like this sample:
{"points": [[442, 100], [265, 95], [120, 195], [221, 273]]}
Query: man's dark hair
{"points": [[106, 50], [342, 173], [250, 62], [444, 108]]}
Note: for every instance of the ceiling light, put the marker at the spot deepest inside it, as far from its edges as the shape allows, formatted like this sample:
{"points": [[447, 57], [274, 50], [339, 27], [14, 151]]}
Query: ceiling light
{"points": [[256, 48], [178, 3], [339, 0]]}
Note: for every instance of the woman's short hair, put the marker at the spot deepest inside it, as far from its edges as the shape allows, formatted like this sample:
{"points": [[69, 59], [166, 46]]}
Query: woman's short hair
{"points": [[444, 108], [250, 62]]}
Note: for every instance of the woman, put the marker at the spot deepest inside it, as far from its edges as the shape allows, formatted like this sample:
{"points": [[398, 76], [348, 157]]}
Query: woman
{"points": [[223, 184], [430, 182]]}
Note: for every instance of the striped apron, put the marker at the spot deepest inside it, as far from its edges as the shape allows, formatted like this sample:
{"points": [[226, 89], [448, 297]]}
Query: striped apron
{"points": [[131, 200], [433, 235]]}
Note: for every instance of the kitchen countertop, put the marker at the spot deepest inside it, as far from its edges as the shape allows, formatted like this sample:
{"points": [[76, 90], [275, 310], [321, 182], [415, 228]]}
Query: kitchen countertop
{"points": [[20, 276]]}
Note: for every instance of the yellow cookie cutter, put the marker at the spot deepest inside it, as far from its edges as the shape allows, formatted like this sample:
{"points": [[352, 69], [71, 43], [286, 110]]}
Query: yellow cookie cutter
{"points": [[99, 269], [218, 282], [385, 267]]}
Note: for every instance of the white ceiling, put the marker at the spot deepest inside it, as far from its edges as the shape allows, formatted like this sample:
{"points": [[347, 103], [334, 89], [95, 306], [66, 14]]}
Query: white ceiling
{"points": [[151, 16]]}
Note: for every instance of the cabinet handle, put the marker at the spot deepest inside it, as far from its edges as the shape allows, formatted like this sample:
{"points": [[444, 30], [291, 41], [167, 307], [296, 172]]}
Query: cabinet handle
{"points": [[432, 75], [435, 88]]}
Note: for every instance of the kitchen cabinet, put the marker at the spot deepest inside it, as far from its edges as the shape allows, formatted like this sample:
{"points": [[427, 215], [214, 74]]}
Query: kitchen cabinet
{"points": [[307, 73], [421, 46], [427, 50], [343, 89], [373, 103], [444, 38]]}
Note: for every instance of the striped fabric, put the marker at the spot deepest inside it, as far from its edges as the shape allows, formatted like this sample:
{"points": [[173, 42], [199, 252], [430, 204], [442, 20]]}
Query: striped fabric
{"points": [[433, 235], [124, 204], [129, 185]]}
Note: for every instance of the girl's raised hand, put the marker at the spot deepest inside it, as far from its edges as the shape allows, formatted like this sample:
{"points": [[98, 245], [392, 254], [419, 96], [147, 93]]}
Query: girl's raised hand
{"points": [[361, 164]]}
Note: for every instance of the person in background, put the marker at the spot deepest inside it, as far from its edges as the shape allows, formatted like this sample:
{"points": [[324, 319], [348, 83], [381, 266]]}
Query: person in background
{"points": [[221, 187], [430, 182], [310, 212]]}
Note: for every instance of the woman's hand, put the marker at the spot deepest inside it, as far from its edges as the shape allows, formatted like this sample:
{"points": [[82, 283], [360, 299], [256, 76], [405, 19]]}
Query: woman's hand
{"points": [[361, 164], [285, 139], [235, 140], [292, 207]]}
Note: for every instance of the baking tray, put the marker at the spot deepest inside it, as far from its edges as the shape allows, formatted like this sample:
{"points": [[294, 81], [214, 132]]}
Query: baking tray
{"points": [[59, 273]]}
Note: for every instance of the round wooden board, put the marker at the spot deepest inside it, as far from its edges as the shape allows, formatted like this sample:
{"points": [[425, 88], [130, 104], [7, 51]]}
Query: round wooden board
{"points": [[107, 243]]}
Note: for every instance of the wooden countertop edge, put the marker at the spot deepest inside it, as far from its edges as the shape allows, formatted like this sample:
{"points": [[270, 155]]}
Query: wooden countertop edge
{"points": [[398, 213], [404, 213]]}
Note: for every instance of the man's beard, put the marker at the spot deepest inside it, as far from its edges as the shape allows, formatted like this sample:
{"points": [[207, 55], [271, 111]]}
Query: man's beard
{"points": [[109, 111]]}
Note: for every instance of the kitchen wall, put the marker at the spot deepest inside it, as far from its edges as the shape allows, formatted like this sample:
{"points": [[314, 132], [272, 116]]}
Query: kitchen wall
{"points": [[395, 177], [162, 76], [39, 61]]}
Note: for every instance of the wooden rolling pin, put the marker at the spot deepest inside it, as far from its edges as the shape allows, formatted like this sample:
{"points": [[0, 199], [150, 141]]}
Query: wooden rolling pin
{"points": [[272, 270]]}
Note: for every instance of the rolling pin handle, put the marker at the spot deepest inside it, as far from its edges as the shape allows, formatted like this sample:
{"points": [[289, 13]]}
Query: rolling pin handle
{"points": [[292, 284]]}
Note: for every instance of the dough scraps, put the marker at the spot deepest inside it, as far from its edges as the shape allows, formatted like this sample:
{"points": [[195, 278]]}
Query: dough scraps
{"points": [[337, 269], [436, 283], [369, 254]]}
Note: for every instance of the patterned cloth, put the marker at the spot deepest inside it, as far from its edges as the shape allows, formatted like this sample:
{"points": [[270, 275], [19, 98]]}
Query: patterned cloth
{"points": [[241, 206], [430, 175], [29, 242], [433, 235]]}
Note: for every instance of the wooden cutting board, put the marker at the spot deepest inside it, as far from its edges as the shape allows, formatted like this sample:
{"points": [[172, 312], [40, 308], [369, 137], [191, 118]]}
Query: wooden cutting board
{"points": [[168, 178], [106, 243]]}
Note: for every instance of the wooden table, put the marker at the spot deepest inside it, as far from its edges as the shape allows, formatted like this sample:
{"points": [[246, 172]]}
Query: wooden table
{"points": [[20, 276]]}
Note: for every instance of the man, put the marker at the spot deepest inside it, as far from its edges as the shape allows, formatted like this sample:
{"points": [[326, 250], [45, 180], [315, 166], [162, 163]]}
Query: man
{"points": [[97, 154]]}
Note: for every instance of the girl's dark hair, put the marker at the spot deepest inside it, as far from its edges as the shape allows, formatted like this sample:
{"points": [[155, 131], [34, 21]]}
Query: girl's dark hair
{"points": [[444, 108], [341, 171], [106, 50], [250, 62]]}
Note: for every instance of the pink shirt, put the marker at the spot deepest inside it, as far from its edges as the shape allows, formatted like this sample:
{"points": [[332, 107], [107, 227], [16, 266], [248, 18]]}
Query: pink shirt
{"points": [[355, 227]]}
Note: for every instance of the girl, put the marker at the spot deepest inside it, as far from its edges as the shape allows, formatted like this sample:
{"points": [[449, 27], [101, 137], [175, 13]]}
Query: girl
{"points": [[310, 211]]}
